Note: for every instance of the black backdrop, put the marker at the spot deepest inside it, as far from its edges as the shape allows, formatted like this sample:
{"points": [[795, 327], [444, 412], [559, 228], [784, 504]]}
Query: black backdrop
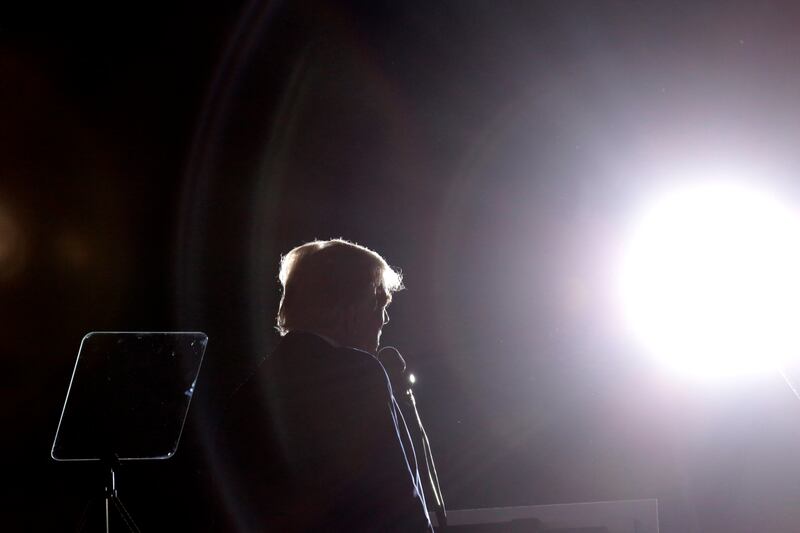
{"points": [[156, 160]]}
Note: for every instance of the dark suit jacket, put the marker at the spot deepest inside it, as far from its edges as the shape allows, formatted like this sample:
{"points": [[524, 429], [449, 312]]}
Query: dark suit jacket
{"points": [[314, 441]]}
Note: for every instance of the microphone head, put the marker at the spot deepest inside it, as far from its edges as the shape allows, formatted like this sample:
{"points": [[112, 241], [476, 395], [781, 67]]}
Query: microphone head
{"points": [[392, 361]]}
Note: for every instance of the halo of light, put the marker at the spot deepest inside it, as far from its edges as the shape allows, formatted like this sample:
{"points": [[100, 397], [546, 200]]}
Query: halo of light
{"points": [[710, 280]]}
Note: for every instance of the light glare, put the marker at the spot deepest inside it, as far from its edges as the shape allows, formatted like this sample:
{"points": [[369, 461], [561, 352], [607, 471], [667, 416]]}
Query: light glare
{"points": [[710, 282]]}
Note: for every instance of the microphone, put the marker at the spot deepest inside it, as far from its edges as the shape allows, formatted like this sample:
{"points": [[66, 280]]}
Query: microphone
{"points": [[395, 366], [392, 361]]}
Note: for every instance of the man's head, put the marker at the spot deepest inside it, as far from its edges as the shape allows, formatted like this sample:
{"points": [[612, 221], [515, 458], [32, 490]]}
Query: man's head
{"points": [[338, 289]]}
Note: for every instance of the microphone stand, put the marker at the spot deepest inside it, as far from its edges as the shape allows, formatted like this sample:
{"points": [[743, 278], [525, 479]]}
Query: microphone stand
{"points": [[433, 477], [397, 370]]}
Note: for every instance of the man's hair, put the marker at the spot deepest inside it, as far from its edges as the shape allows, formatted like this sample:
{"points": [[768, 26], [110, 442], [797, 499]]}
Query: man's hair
{"points": [[320, 279]]}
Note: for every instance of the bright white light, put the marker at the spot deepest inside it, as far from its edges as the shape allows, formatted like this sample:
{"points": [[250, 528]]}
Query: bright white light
{"points": [[710, 282]]}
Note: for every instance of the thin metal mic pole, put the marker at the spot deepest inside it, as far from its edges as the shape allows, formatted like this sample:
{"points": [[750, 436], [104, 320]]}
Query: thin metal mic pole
{"points": [[396, 367]]}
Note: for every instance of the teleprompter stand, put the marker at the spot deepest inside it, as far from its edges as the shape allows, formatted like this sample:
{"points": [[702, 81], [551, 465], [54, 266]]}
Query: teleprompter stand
{"points": [[106, 512], [113, 506], [127, 401]]}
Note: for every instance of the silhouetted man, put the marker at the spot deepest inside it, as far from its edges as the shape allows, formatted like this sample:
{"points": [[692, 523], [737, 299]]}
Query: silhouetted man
{"points": [[315, 440]]}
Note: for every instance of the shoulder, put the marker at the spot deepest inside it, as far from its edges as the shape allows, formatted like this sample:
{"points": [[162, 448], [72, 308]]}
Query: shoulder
{"points": [[307, 354]]}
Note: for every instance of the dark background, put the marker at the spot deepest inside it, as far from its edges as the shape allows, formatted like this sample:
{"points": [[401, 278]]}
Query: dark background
{"points": [[156, 160]]}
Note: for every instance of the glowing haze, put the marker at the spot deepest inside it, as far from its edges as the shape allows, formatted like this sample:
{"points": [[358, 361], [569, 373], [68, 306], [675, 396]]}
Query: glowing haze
{"points": [[710, 279]]}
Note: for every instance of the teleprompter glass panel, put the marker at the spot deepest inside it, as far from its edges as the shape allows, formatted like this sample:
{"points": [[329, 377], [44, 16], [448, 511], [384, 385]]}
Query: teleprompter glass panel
{"points": [[129, 395]]}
